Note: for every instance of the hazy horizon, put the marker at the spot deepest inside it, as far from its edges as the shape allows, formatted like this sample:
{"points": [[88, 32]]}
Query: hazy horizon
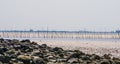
{"points": [[90, 15]]}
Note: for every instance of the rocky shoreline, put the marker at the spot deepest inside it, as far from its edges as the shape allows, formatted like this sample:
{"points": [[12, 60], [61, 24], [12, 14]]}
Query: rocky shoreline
{"points": [[27, 52]]}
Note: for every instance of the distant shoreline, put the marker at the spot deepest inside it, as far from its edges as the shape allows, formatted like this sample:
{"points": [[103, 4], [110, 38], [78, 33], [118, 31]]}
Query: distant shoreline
{"points": [[60, 34], [117, 31]]}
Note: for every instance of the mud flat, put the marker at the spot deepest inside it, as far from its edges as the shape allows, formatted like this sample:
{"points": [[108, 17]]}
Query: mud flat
{"points": [[89, 47]]}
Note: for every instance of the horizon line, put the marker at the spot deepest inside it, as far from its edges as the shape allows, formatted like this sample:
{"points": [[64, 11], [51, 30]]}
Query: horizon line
{"points": [[31, 30]]}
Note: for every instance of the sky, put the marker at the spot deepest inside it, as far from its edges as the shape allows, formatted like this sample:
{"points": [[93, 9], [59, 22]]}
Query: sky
{"points": [[90, 15]]}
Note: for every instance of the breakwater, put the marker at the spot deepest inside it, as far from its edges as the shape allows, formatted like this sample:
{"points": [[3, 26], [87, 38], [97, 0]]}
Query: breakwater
{"points": [[57, 34]]}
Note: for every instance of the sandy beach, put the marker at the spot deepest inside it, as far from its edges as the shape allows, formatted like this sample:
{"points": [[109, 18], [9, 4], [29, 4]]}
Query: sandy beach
{"points": [[89, 47]]}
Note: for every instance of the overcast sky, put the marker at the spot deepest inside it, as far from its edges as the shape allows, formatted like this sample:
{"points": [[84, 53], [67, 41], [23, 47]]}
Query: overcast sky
{"points": [[94, 15]]}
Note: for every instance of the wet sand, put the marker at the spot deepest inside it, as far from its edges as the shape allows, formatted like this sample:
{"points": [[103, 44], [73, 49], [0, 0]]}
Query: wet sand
{"points": [[89, 47]]}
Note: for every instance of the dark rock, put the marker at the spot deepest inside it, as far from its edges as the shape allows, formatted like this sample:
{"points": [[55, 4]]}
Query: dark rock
{"points": [[43, 46], [85, 58], [79, 52], [116, 58], [17, 47], [75, 55], [74, 62], [107, 56], [33, 43], [111, 61], [105, 62], [38, 53], [45, 59], [27, 40], [1, 40], [117, 62], [5, 58], [95, 57], [61, 55], [2, 50], [24, 47], [57, 49]]}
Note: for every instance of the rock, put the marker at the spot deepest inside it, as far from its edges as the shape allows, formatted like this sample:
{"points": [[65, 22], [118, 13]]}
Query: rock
{"points": [[25, 58], [13, 61], [27, 40], [74, 55], [117, 62], [17, 47], [33, 43], [107, 56], [1, 62], [61, 60], [61, 55], [58, 49], [85, 58], [15, 41], [1, 40], [24, 47], [95, 57], [94, 62], [45, 51], [2, 50], [79, 52], [51, 57], [53, 60], [38, 60], [12, 51], [104, 62], [38, 53], [111, 61], [80, 60], [43, 46], [73, 60], [46, 59], [19, 62], [116, 58], [4, 58]]}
